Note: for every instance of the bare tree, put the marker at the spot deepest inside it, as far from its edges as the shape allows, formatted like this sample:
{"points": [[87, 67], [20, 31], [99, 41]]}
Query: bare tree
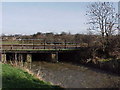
{"points": [[103, 18]]}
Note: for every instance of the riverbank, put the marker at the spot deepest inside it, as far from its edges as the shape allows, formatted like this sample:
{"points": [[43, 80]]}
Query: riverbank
{"points": [[109, 65], [13, 77], [75, 76]]}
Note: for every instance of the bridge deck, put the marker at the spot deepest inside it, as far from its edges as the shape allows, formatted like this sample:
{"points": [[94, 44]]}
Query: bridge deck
{"points": [[37, 48]]}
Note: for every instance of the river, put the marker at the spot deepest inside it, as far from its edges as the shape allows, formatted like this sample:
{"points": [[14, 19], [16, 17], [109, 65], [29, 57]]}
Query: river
{"points": [[74, 76]]}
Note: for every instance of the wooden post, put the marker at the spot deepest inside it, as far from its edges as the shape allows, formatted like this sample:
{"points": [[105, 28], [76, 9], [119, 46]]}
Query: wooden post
{"points": [[11, 47], [76, 44], [65, 44], [55, 45], [22, 43], [33, 43], [44, 44]]}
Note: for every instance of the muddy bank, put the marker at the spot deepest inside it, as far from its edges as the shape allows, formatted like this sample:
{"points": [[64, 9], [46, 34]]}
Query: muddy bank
{"points": [[112, 66], [72, 76]]}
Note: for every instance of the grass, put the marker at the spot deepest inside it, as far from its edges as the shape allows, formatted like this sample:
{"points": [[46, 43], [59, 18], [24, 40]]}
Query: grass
{"points": [[13, 77], [105, 60], [10, 42]]}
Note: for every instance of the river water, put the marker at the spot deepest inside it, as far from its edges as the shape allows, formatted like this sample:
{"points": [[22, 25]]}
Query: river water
{"points": [[73, 76]]}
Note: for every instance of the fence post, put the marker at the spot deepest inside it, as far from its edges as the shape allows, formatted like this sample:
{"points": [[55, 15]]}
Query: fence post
{"points": [[11, 47], [33, 43], [22, 43], [76, 44], [55, 45], [65, 44], [44, 43]]}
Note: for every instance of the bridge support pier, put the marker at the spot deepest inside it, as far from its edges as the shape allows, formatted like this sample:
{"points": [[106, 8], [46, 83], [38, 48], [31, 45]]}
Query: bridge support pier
{"points": [[19, 57], [16, 57], [29, 58], [3, 56], [22, 57], [54, 57]]}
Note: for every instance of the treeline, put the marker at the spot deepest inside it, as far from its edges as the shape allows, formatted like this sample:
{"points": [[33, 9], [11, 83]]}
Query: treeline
{"points": [[85, 39], [109, 48]]}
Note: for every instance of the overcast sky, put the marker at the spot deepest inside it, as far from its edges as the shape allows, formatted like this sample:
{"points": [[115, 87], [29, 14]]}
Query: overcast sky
{"points": [[32, 17]]}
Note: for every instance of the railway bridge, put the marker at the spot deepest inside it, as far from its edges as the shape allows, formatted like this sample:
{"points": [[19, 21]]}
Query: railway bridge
{"points": [[30, 52]]}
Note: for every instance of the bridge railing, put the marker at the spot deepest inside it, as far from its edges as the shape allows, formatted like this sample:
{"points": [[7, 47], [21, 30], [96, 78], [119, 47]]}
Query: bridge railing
{"points": [[38, 44]]}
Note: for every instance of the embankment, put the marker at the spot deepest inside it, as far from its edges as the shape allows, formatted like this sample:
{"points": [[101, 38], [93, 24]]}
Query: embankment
{"points": [[13, 77]]}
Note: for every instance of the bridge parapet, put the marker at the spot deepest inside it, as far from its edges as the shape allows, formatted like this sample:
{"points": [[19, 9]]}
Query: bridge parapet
{"points": [[37, 46]]}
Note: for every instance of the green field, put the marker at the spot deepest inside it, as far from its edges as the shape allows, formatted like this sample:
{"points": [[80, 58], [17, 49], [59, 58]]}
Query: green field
{"points": [[10, 42], [13, 77]]}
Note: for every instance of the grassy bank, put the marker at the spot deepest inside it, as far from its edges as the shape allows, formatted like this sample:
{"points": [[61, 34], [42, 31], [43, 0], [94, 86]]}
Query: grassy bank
{"points": [[13, 77]]}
